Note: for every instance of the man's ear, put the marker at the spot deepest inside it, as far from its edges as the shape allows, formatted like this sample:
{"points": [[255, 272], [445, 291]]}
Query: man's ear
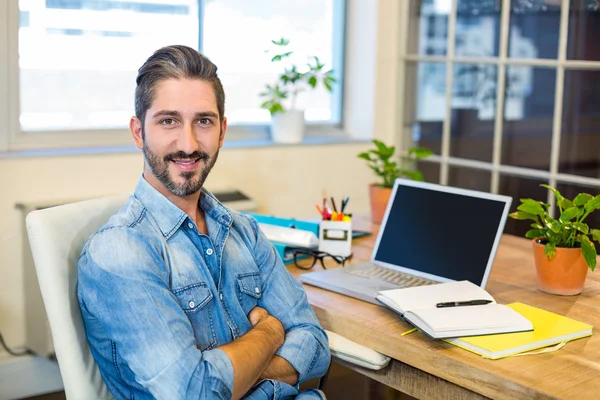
{"points": [[223, 131], [135, 127]]}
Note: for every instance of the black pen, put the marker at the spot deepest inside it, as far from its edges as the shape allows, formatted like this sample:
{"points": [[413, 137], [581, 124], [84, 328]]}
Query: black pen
{"points": [[463, 303]]}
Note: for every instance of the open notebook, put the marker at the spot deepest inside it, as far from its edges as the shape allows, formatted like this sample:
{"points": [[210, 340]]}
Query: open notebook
{"points": [[418, 305]]}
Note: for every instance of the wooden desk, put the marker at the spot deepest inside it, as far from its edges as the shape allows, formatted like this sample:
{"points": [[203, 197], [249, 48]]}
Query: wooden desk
{"points": [[434, 369]]}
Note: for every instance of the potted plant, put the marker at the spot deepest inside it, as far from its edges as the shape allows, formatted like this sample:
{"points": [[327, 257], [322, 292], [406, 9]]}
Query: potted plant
{"points": [[287, 122], [563, 248], [381, 161]]}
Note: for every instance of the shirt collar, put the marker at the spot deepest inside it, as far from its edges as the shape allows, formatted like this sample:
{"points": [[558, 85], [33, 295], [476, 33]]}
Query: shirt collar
{"points": [[168, 216]]}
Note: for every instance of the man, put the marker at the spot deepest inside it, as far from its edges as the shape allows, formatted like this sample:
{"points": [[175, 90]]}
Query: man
{"points": [[181, 297]]}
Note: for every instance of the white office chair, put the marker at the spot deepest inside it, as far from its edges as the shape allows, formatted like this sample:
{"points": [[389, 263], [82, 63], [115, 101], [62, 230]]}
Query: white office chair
{"points": [[57, 236]]}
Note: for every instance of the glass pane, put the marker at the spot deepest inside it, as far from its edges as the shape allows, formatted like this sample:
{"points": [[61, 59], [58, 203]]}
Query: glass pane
{"points": [[468, 178], [478, 28], [473, 111], [534, 29], [426, 82], [236, 35], [584, 30], [428, 26], [430, 171], [520, 188], [580, 139], [528, 117], [79, 59], [570, 191]]}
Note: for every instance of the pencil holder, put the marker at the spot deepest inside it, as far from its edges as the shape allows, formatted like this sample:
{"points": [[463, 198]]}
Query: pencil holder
{"points": [[335, 237]]}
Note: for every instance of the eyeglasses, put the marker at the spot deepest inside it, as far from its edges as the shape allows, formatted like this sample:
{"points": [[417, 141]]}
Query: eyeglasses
{"points": [[307, 258]]}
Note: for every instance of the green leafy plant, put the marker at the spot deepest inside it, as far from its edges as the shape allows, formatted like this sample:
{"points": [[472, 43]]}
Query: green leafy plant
{"points": [[569, 230], [293, 80], [381, 161]]}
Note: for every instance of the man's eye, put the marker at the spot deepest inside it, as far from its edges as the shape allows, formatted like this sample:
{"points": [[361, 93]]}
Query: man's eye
{"points": [[204, 121], [167, 121]]}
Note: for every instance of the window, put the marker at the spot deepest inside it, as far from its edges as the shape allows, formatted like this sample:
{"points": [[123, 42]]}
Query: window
{"points": [[72, 74], [506, 93]]}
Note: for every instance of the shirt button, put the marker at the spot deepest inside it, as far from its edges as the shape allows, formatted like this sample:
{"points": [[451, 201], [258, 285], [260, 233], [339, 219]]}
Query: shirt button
{"points": [[221, 296], [191, 304], [256, 290], [191, 225], [209, 251]]}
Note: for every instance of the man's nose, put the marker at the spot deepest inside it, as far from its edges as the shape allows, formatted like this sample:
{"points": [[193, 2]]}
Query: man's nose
{"points": [[187, 139]]}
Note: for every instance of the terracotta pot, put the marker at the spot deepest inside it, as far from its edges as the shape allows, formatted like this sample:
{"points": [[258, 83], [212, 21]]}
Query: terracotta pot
{"points": [[564, 274], [379, 197]]}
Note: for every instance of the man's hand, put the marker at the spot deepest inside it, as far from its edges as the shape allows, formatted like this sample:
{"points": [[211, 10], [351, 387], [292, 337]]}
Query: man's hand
{"points": [[260, 317], [278, 369], [252, 353], [257, 314]]}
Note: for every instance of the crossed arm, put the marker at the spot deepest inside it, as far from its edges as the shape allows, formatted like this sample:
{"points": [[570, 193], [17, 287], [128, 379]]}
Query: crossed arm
{"points": [[253, 355]]}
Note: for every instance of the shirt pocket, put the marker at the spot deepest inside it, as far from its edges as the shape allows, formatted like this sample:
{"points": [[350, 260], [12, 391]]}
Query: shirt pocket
{"points": [[249, 290], [196, 302]]}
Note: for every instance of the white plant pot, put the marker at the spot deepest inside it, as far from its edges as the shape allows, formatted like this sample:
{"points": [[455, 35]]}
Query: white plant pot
{"points": [[287, 127]]}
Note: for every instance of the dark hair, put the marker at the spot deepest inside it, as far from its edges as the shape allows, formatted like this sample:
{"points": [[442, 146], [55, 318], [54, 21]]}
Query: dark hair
{"points": [[175, 62]]}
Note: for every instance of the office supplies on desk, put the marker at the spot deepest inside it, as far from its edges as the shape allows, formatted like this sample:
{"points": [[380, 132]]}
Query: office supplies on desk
{"points": [[417, 305], [478, 302], [335, 237], [283, 249], [290, 236], [423, 240], [548, 329]]}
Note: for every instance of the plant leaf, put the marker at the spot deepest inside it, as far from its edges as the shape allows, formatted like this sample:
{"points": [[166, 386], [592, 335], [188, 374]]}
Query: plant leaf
{"points": [[589, 251], [569, 214], [593, 204], [582, 198], [555, 226], [581, 227], [565, 203], [559, 197], [280, 42], [312, 81], [550, 250], [533, 207], [419, 152], [365, 156], [522, 215], [535, 233], [596, 234]]}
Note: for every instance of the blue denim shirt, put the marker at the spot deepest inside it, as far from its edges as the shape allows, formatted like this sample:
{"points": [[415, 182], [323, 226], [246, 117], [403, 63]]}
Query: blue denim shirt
{"points": [[158, 298]]}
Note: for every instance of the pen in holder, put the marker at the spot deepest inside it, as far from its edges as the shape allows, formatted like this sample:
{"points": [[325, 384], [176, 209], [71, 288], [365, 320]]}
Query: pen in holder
{"points": [[335, 237]]}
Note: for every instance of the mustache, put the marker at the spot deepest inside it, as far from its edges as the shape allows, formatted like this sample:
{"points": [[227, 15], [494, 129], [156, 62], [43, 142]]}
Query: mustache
{"points": [[181, 155]]}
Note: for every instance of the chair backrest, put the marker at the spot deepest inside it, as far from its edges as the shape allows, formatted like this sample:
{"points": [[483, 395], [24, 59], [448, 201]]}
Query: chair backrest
{"points": [[57, 236]]}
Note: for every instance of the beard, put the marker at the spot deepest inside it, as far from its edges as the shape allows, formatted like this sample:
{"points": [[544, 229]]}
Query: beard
{"points": [[192, 180]]}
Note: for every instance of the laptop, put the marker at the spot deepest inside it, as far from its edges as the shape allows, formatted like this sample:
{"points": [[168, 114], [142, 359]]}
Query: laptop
{"points": [[430, 233]]}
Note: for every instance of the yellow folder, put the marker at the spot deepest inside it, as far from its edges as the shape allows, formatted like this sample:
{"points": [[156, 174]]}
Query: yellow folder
{"points": [[548, 329]]}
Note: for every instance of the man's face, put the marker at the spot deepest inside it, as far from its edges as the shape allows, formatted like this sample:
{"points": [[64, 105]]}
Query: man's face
{"points": [[182, 135]]}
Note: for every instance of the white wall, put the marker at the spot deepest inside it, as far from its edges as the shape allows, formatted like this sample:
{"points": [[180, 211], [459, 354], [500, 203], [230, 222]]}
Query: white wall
{"points": [[284, 180]]}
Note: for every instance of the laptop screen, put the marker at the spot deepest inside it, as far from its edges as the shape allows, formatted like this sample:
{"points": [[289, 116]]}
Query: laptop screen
{"points": [[440, 232]]}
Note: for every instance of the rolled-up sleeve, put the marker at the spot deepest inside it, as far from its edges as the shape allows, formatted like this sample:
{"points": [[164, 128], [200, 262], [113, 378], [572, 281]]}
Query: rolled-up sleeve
{"points": [[123, 290], [306, 346]]}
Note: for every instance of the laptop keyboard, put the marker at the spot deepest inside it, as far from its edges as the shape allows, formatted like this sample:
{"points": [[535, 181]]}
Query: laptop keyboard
{"points": [[395, 277]]}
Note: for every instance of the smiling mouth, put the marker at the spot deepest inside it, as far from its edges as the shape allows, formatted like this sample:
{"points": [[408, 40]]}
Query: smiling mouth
{"points": [[186, 162]]}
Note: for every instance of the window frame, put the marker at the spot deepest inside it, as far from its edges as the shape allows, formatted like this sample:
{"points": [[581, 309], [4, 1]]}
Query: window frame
{"points": [[502, 61], [12, 139]]}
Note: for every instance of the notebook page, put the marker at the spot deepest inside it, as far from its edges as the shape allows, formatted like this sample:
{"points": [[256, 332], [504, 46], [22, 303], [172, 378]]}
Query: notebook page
{"points": [[471, 318], [421, 297]]}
